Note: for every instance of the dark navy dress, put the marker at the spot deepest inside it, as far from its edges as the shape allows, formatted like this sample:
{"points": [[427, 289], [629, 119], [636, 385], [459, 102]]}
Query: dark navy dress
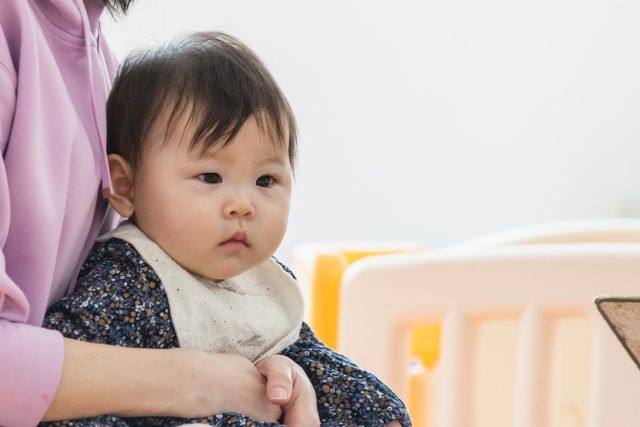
{"points": [[119, 300]]}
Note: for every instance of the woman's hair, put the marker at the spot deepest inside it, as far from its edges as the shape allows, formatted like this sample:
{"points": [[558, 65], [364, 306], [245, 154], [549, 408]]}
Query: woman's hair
{"points": [[209, 78], [118, 6]]}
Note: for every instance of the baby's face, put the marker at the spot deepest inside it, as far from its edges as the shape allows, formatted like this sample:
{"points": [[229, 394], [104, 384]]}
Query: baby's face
{"points": [[219, 213]]}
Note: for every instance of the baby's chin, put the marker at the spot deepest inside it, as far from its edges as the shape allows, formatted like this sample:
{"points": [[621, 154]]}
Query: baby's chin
{"points": [[221, 276]]}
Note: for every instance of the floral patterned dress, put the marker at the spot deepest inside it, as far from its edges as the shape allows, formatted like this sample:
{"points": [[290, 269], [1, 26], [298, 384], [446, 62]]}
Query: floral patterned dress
{"points": [[119, 300]]}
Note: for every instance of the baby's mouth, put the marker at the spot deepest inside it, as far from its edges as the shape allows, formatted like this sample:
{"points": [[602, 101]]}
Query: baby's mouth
{"points": [[239, 237]]}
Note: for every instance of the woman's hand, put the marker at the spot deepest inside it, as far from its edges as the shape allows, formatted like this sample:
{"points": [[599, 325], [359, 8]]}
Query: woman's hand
{"points": [[288, 386], [221, 382]]}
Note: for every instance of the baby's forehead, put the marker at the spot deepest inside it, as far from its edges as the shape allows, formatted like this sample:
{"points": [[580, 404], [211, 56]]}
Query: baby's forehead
{"points": [[263, 149]]}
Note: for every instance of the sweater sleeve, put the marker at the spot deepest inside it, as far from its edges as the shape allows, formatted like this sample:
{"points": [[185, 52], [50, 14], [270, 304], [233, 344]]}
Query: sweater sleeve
{"points": [[7, 93], [30, 357], [31, 364]]}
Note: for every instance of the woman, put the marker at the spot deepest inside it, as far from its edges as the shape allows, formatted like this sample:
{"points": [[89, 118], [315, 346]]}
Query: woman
{"points": [[55, 73]]}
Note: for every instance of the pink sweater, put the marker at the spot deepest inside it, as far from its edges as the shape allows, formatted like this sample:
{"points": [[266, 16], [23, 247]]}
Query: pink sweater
{"points": [[55, 73]]}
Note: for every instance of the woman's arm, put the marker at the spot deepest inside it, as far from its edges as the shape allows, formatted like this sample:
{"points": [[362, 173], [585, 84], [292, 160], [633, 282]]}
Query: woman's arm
{"points": [[104, 379]]}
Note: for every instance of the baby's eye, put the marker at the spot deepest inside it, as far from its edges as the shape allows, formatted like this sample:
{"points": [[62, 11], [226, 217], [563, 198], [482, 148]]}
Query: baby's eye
{"points": [[210, 178], [265, 181]]}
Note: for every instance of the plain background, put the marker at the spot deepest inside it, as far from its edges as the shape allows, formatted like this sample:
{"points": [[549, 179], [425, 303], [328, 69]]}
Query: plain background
{"points": [[432, 121]]}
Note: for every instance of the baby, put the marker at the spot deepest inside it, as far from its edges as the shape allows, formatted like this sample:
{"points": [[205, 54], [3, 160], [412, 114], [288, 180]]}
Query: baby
{"points": [[201, 147]]}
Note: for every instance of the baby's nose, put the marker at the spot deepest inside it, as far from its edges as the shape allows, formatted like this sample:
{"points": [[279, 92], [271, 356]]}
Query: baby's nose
{"points": [[239, 205]]}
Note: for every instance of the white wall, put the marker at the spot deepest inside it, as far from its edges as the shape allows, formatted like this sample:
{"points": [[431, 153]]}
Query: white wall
{"points": [[435, 121]]}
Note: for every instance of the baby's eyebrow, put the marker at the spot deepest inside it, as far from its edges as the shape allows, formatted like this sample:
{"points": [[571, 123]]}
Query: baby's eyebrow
{"points": [[277, 160]]}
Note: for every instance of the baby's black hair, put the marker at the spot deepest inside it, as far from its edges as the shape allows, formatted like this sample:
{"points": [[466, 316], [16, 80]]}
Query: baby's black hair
{"points": [[212, 79]]}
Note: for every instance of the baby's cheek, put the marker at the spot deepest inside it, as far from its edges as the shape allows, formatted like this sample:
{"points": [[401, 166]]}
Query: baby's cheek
{"points": [[276, 234]]}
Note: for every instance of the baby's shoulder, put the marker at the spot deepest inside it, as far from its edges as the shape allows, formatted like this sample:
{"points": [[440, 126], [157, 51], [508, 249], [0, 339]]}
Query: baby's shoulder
{"points": [[115, 263]]}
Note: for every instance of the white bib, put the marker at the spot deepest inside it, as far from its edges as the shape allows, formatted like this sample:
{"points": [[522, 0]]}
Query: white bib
{"points": [[255, 314]]}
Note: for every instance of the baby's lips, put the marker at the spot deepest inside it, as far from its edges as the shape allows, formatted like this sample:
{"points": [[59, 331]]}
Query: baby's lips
{"points": [[239, 236]]}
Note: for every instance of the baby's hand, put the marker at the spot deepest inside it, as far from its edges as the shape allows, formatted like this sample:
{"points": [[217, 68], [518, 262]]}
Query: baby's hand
{"points": [[288, 386]]}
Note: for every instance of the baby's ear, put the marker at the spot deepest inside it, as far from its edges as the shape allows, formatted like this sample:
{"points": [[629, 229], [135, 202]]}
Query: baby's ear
{"points": [[122, 185]]}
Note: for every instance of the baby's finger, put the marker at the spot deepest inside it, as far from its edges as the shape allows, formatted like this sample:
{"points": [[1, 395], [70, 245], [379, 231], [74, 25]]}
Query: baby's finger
{"points": [[279, 374], [302, 409]]}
